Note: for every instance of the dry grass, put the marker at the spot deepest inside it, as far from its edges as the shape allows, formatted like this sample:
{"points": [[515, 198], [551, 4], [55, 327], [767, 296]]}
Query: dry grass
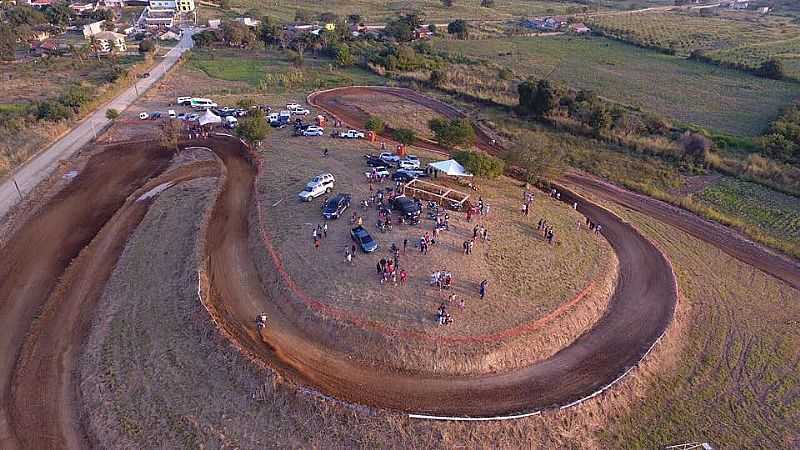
{"points": [[395, 111]]}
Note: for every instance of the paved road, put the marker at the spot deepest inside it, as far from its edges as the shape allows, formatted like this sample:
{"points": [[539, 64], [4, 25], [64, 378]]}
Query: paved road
{"points": [[38, 168]]}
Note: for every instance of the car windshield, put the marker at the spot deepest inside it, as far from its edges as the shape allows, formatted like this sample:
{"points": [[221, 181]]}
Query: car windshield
{"points": [[365, 238], [308, 189]]}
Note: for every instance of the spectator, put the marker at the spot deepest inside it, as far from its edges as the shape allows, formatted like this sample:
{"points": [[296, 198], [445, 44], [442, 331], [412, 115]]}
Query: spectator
{"points": [[483, 287]]}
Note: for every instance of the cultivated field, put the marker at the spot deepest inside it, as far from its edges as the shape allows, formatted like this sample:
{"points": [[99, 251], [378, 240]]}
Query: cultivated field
{"points": [[689, 91], [732, 38], [774, 213]]}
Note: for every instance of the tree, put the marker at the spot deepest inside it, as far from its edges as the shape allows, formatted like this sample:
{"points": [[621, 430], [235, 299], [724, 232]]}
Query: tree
{"points": [[354, 19], [404, 136], [694, 145], [432, 28], [58, 14], [237, 34], [253, 128], [450, 133], [459, 28], [268, 32], [772, 68], [437, 77], [487, 3], [539, 98], [204, 38], [447, 3], [600, 120], [300, 44], [112, 114], [147, 46], [343, 55], [8, 43], [780, 147], [24, 15], [375, 124], [538, 162], [480, 164], [102, 14]]}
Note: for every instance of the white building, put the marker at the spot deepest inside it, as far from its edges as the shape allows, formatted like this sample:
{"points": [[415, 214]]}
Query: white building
{"points": [[92, 29], [108, 41], [181, 6]]}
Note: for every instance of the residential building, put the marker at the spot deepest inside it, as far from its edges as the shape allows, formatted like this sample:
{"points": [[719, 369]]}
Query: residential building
{"points": [[108, 41], [40, 4], [110, 3], [185, 6], [93, 28], [159, 18], [82, 8], [248, 21], [163, 4]]}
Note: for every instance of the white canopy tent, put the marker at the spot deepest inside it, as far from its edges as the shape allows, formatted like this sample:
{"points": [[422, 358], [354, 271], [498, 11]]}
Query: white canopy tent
{"points": [[209, 118], [450, 167]]}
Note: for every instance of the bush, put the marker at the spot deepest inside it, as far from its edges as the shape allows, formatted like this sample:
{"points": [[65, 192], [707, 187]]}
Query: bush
{"points": [[375, 124], [252, 128], [112, 114], [147, 46], [75, 97], [404, 136], [53, 111], [480, 164], [450, 133]]}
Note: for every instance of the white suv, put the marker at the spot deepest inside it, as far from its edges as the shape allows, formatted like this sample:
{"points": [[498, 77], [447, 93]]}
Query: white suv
{"points": [[314, 131], [409, 162], [320, 184], [389, 157], [297, 109]]}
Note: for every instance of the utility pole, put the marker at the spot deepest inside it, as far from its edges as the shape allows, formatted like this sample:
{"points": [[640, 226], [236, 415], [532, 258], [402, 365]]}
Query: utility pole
{"points": [[17, 186], [94, 131]]}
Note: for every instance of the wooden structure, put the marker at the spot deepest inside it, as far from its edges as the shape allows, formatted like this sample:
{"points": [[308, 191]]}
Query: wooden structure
{"points": [[442, 195]]}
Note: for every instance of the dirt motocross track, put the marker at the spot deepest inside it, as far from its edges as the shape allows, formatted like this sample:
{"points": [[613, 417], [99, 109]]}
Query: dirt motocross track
{"points": [[64, 254]]}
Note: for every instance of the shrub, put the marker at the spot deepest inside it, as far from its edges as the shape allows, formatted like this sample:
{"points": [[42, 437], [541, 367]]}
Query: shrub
{"points": [[375, 124], [450, 133], [147, 46], [253, 128], [404, 136], [480, 164], [112, 114], [53, 111]]}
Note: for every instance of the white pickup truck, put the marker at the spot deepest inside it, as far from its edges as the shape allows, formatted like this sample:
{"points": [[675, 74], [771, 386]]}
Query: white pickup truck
{"points": [[351, 134]]}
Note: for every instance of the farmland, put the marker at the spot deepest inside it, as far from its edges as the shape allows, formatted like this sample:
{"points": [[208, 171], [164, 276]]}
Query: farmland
{"points": [[772, 212], [274, 71], [688, 91], [735, 39], [378, 11]]}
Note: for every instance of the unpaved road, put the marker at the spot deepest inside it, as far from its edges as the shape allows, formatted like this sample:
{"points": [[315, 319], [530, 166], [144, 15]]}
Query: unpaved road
{"points": [[38, 168], [46, 299], [726, 239]]}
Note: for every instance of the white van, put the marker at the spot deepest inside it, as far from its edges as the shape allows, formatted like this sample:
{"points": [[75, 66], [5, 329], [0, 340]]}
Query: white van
{"points": [[230, 122], [183, 101], [171, 114], [272, 117], [202, 103]]}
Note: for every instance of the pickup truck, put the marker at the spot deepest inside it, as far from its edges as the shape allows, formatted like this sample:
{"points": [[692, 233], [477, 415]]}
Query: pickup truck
{"points": [[351, 134]]}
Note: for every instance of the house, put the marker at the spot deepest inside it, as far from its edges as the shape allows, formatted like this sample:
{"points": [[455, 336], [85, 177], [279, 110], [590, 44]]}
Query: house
{"points": [[82, 8], [110, 3], [48, 47], [185, 6], [170, 35], [159, 18], [580, 28], [763, 10], [163, 4], [40, 34], [40, 4], [423, 33], [214, 24], [93, 28], [739, 5], [108, 41], [248, 21]]}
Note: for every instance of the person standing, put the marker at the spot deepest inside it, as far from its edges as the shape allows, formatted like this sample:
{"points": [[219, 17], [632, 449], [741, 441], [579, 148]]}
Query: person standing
{"points": [[483, 286], [325, 230], [405, 244]]}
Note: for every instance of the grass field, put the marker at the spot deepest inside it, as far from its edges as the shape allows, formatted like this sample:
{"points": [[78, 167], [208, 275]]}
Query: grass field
{"points": [[273, 71], [379, 10], [775, 213], [734, 38], [688, 91]]}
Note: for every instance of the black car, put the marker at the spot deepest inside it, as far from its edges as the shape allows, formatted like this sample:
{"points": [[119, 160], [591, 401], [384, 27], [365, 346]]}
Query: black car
{"points": [[408, 207], [363, 239], [402, 177], [334, 207], [374, 161]]}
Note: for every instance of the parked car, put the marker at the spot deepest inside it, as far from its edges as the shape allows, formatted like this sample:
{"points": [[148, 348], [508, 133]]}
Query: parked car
{"points": [[389, 157], [292, 106], [363, 239], [192, 117], [409, 162], [224, 112], [314, 131], [171, 113], [183, 116], [299, 111], [230, 122], [334, 207], [143, 116], [144, 75], [320, 184], [374, 161], [416, 173], [380, 171], [184, 101], [402, 176], [407, 207], [351, 134], [156, 115]]}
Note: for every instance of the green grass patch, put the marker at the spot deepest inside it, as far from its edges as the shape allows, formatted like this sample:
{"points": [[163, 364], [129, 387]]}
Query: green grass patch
{"points": [[688, 91]]}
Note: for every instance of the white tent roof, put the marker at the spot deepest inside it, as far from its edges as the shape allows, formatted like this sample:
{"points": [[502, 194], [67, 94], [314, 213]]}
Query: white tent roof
{"points": [[450, 167], [209, 117]]}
